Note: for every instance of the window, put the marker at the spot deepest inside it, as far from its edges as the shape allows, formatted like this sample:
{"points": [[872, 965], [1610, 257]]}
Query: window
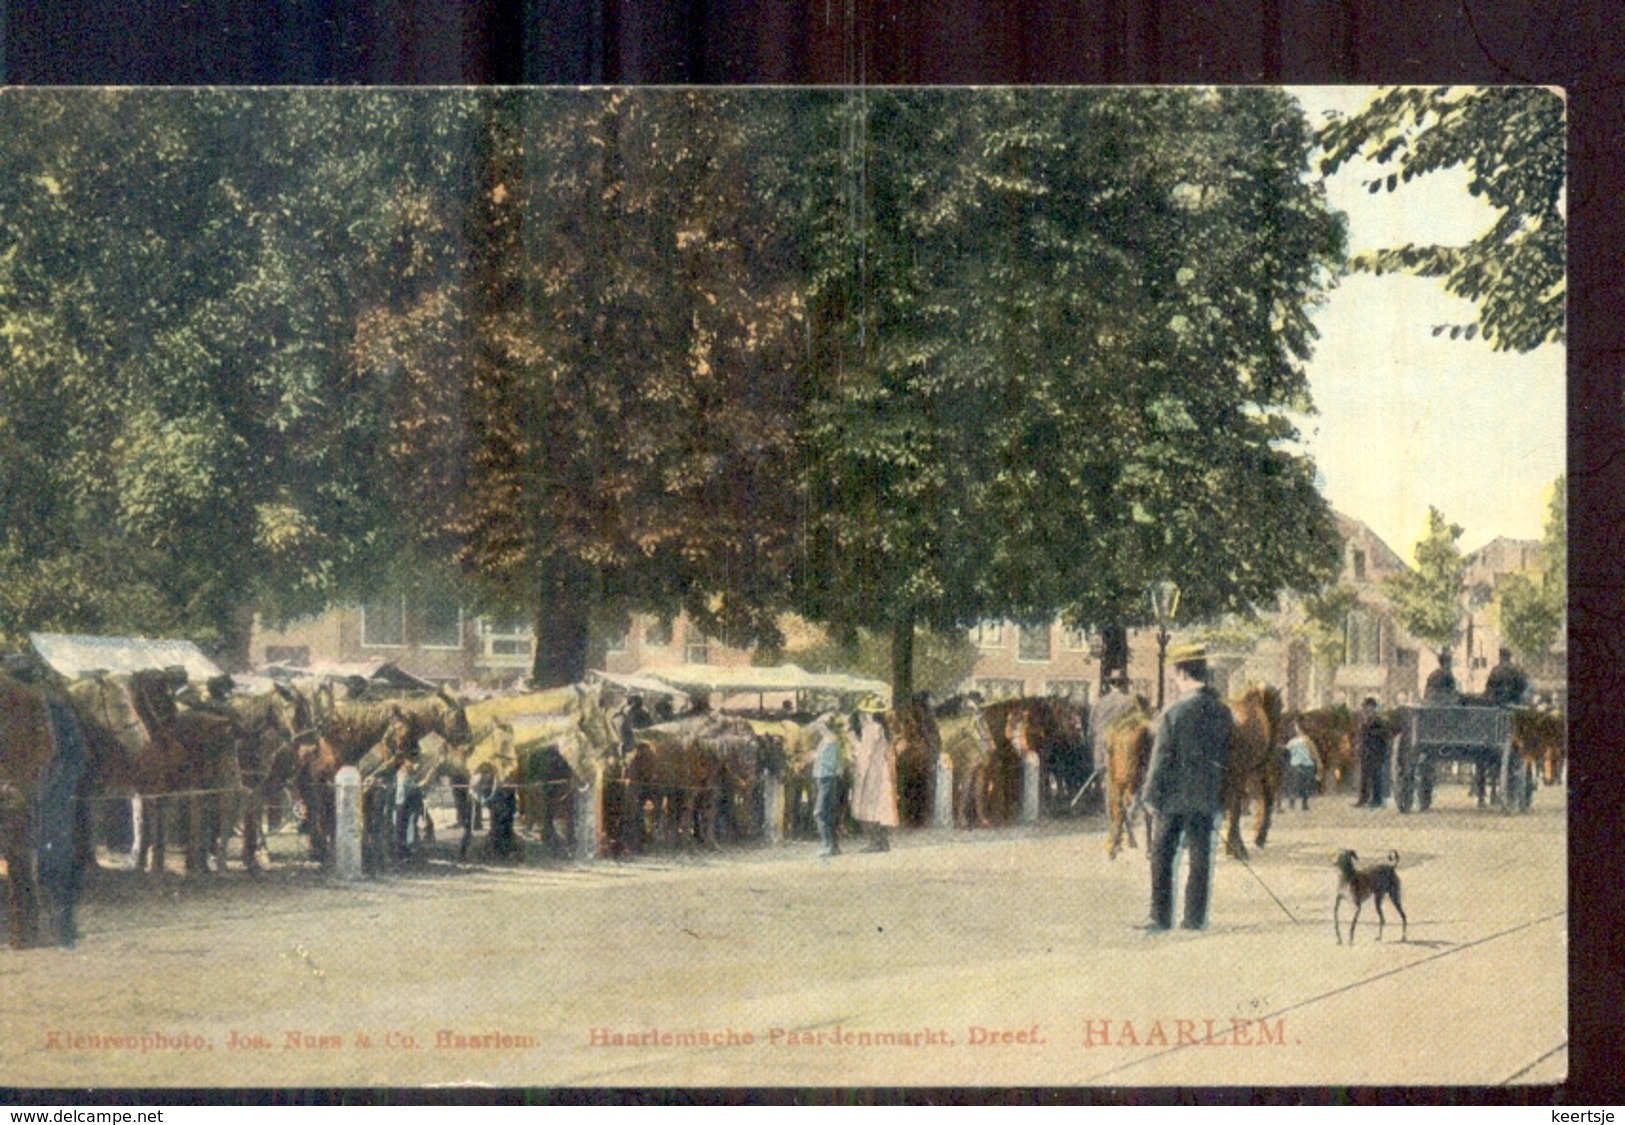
{"points": [[1074, 640], [1075, 692], [1364, 638], [383, 622], [506, 643], [696, 647], [990, 634], [1032, 642], [657, 635], [441, 624], [993, 690], [1358, 562]]}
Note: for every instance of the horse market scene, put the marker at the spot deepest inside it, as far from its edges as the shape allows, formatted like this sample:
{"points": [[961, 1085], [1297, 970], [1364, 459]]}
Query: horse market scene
{"points": [[678, 587]]}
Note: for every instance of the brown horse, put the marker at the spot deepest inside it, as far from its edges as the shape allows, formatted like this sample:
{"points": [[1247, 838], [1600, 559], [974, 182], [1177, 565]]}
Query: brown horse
{"points": [[353, 728], [1538, 735], [268, 725], [1128, 751], [671, 787], [1331, 729], [1254, 769], [990, 794], [44, 768], [192, 756]]}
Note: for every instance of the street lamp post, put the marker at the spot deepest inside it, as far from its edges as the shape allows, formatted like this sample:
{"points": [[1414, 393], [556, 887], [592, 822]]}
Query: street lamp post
{"points": [[1164, 604]]}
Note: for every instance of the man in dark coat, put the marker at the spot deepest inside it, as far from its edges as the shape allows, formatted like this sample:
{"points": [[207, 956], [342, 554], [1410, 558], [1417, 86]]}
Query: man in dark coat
{"points": [[1184, 787], [1441, 687], [1507, 684], [1374, 739]]}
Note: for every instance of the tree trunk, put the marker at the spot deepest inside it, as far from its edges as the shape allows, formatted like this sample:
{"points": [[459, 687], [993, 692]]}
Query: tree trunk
{"points": [[562, 617], [902, 657], [1113, 651]]}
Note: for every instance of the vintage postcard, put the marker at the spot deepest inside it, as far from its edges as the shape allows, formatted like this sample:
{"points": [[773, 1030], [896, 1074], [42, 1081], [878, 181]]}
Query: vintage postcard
{"points": [[783, 588]]}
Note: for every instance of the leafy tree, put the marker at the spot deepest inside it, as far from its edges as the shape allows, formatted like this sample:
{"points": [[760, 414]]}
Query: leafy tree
{"points": [[941, 663], [1052, 337], [1531, 608], [630, 392], [1510, 141], [1429, 598], [194, 430]]}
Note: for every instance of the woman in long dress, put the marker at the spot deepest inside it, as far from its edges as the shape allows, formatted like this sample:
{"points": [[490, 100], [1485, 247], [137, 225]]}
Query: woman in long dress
{"points": [[874, 776]]}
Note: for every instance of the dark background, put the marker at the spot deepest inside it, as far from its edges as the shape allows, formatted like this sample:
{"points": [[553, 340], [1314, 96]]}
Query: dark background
{"points": [[1577, 46]]}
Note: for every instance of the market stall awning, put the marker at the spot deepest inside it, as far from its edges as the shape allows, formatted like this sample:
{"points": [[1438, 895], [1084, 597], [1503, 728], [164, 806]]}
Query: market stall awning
{"points": [[646, 685], [777, 678], [73, 655]]}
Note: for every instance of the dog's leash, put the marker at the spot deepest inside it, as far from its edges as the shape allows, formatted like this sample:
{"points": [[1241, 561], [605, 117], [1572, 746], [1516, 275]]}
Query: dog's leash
{"points": [[1269, 892]]}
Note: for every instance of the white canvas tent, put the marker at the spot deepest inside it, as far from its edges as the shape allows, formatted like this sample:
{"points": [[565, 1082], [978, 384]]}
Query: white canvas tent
{"points": [[73, 656], [748, 679]]}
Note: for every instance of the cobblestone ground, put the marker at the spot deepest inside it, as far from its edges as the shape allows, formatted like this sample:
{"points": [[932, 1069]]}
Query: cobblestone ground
{"points": [[963, 959]]}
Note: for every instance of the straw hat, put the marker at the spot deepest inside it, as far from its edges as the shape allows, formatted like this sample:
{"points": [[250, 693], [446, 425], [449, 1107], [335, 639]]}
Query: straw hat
{"points": [[1184, 654], [871, 704]]}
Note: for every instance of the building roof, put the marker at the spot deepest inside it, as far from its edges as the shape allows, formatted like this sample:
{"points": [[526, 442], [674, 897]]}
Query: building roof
{"points": [[73, 655]]}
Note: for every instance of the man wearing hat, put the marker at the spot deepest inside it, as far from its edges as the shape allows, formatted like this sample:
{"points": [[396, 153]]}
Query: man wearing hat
{"points": [[1183, 787], [874, 774], [1441, 686], [826, 781]]}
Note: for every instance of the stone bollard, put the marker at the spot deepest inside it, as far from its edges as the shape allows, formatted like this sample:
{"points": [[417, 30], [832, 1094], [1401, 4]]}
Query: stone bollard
{"points": [[1029, 788], [773, 809], [942, 803], [347, 824], [589, 809]]}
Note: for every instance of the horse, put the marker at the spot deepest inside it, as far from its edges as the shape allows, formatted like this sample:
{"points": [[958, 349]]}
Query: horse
{"points": [[671, 787], [1128, 751], [349, 732], [144, 745], [196, 755], [44, 771], [745, 759], [1254, 767], [268, 725], [1538, 735], [546, 789]]}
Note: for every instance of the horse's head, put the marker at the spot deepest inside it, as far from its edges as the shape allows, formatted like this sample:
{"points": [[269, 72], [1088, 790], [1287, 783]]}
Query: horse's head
{"points": [[454, 727], [293, 711]]}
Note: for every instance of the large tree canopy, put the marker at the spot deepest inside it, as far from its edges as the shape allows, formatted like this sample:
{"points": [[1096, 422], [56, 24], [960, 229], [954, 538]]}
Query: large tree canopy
{"points": [[890, 358], [1053, 336], [1510, 141]]}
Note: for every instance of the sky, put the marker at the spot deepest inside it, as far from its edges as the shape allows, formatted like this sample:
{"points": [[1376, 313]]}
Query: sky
{"points": [[1406, 419]]}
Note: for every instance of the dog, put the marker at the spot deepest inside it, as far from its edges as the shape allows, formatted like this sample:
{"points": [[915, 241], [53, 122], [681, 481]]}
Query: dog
{"points": [[1356, 884]]}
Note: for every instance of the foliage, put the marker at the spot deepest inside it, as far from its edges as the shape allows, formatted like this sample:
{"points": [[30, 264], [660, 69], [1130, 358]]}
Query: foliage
{"points": [[1053, 337], [941, 662], [1428, 599], [1326, 625], [1510, 141], [628, 392], [1530, 609], [886, 357]]}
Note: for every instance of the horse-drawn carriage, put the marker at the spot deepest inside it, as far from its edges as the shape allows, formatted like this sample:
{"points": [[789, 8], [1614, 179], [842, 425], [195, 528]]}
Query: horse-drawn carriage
{"points": [[1478, 734]]}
